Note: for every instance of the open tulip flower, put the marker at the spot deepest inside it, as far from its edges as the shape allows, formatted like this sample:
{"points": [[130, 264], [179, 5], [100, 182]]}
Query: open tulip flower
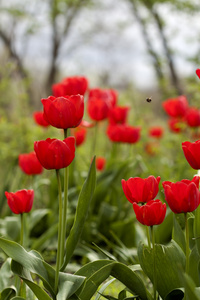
{"points": [[21, 201], [70, 86], [64, 112], [140, 190], [30, 164], [192, 153], [176, 107], [54, 153], [152, 213], [182, 196]]}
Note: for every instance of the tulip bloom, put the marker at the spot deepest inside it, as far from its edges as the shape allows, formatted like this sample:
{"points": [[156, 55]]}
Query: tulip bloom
{"points": [[123, 133], [182, 196], [30, 164], [198, 72], [156, 132], [176, 107], [152, 213], [100, 163], [54, 153], [39, 119], [193, 117], [70, 86], [64, 112], [98, 109], [141, 190], [192, 153], [175, 125], [118, 114], [21, 201], [109, 96], [80, 135]]}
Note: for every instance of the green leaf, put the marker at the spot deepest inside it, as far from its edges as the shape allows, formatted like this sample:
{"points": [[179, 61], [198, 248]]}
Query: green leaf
{"points": [[8, 293], [176, 294], [170, 261], [85, 197], [98, 271], [39, 243], [178, 235], [5, 275], [191, 292], [197, 228], [102, 289], [194, 265]]}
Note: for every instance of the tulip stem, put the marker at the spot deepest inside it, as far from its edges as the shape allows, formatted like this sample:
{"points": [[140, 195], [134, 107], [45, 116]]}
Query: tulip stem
{"points": [[148, 236], [60, 231], [154, 263], [95, 139], [187, 244], [22, 230]]}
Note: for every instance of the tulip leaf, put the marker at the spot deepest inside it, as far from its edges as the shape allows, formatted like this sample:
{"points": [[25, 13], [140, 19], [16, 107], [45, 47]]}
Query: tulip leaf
{"points": [[6, 275], [194, 260], [178, 235], [191, 292], [102, 289], [25, 263], [84, 200], [170, 261], [8, 293], [98, 271], [176, 294], [197, 228]]}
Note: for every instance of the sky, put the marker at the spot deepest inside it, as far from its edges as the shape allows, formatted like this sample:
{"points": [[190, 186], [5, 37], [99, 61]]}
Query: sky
{"points": [[107, 39]]}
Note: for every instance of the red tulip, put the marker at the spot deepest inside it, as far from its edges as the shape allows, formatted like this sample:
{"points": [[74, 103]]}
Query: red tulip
{"points": [[152, 213], [182, 196], [109, 96], [175, 125], [123, 133], [80, 135], [30, 164], [156, 132], [115, 132], [70, 86], [21, 201], [39, 119], [100, 163], [193, 117], [198, 72], [140, 190], [176, 107], [192, 153], [118, 114], [64, 112], [54, 153], [98, 109]]}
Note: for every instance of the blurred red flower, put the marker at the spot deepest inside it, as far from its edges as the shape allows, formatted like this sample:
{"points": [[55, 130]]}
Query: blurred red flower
{"points": [[30, 164], [152, 213], [118, 114], [192, 153], [182, 196], [98, 109], [70, 86], [80, 135], [64, 112], [198, 72], [193, 117], [176, 107], [156, 132], [175, 125], [39, 119], [100, 163], [123, 133], [21, 201], [141, 190], [108, 95], [54, 153]]}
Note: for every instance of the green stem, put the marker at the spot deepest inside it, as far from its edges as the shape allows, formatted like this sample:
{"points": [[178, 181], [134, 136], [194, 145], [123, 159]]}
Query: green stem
{"points": [[22, 230], [187, 244], [60, 230], [94, 139], [148, 236], [154, 263]]}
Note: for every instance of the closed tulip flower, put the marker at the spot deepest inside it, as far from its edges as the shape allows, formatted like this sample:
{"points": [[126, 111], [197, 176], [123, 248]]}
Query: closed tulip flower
{"points": [[182, 196], [107, 95], [176, 107], [198, 72], [54, 153], [141, 190], [118, 114], [39, 119], [156, 132], [70, 86], [131, 134], [98, 109], [80, 135], [64, 112], [175, 125], [150, 214], [30, 164], [100, 163], [193, 117], [192, 153], [21, 201]]}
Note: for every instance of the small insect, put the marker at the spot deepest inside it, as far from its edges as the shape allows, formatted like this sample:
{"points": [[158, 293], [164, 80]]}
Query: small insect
{"points": [[148, 99]]}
